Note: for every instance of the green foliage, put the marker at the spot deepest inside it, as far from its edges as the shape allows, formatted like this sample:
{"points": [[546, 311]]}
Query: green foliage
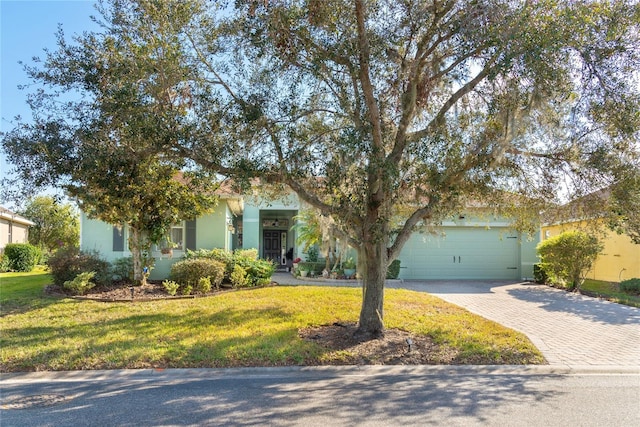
{"points": [[188, 272], [222, 255], [171, 287], [311, 267], [67, 263], [239, 277], [122, 269], [631, 286], [567, 258], [349, 264], [57, 225], [21, 256], [4, 264], [81, 283], [258, 270], [248, 254], [539, 276], [204, 285], [312, 254], [393, 271]]}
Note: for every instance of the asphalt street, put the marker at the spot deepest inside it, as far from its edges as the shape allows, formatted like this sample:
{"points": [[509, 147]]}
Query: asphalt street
{"points": [[325, 396]]}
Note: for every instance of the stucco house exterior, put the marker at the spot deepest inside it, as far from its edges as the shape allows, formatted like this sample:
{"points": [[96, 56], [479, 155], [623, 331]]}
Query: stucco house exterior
{"points": [[466, 247], [13, 228]]}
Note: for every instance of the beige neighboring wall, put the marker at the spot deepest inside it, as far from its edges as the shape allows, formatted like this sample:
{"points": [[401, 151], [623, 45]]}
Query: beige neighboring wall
{"points": [[13, 228]]}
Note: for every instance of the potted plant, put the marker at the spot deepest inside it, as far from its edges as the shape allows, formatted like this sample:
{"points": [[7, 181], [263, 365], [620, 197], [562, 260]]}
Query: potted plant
{"points": [[304, 272], [349, 267], [295, 264], [167, 248]]}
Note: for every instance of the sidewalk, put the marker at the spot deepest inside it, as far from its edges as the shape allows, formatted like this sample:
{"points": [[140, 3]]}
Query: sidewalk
{"points": [[571, 330]]}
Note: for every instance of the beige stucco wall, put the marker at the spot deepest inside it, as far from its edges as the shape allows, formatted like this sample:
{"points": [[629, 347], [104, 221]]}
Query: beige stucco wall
{"points": [[20, 233]]}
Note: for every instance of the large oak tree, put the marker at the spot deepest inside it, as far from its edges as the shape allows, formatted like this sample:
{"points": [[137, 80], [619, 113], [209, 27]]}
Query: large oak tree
{"points": [[389, 115]]}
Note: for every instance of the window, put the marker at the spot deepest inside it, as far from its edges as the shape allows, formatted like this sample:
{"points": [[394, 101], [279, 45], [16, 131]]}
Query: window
{"points": [[10, 237], [118, 239], [177, 237]]}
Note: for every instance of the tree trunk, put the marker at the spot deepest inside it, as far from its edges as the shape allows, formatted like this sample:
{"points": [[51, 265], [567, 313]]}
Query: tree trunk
{"points": [[372, 261], [136, 245]]}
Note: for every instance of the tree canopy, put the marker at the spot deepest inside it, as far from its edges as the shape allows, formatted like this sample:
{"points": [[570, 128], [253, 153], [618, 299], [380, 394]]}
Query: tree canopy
{"points": [[388, 115], [112, 104], [56, 224]]}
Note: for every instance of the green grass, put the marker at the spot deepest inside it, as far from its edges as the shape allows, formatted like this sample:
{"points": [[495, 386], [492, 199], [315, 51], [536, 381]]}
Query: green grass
{"points": [[256, 327], [609, 291]]}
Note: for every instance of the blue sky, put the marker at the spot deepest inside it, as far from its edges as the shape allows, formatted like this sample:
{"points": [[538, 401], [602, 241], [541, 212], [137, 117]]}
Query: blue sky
{"points": [[26, 28]]}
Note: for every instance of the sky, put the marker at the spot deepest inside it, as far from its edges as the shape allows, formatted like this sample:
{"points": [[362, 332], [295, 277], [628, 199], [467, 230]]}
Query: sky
{"points": [[26, 28]]}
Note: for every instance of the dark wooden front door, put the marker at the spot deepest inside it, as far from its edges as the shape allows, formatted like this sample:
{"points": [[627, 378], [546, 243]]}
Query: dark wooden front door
{"points": [[272, 246]]}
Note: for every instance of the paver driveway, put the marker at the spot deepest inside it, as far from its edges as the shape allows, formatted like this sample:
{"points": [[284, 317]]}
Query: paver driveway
{"points": [[569, 329]]}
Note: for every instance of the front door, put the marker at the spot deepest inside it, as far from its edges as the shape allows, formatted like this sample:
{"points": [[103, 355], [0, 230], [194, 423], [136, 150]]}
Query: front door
{"points": [[272, 246]]}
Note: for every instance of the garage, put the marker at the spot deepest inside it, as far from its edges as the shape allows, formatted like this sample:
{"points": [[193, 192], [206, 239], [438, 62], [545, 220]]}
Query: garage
{"points": [[462, 253]]}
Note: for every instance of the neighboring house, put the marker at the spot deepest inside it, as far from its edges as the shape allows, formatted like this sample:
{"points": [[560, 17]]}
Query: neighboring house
{"points": [[13, 228], [467, 248], [619, 260]]}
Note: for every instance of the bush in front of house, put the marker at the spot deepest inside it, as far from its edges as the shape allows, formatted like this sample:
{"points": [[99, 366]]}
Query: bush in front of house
{"points": [[539, 276], [122, 269], [631, 286], [393, 271], [81, 283], [21, 257], [188, 272], [4, 263], [259, 271], [314, 268], [67, 263], [567, 257]]}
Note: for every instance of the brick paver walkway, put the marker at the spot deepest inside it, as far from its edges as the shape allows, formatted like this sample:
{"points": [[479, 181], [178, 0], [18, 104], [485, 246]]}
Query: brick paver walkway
{"points": [[569, 329]]}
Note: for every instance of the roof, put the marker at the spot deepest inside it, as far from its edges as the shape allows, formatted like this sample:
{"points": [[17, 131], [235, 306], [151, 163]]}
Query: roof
{"points": [[11, 216]]}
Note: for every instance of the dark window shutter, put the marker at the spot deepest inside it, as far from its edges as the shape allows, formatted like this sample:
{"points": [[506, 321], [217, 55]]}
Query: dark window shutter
{"points": [[190, 237], [118, 239]]}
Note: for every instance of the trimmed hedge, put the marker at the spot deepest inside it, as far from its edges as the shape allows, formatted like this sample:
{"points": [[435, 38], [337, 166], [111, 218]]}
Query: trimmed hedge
{"points": [[631, 286], [258, 271], [188, 273], [21, 256]]}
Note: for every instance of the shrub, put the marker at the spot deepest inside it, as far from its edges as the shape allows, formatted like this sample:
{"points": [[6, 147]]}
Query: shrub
{"points": [[258, 270], [22, 256], [188, 272], [631, 286], [81, 283], [4, 264], [393, 271], [170, 286], [122, 269], [567, 258], [250, 254], [186, 290], [239, 277], [539, 276], [312, 254], [67, 263], [217, 254], [204, 285]]}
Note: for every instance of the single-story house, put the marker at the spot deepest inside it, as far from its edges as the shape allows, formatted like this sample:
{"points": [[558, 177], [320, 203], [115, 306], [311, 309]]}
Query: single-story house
{"points": [[618, 261], [13, 228], [467, 247]]}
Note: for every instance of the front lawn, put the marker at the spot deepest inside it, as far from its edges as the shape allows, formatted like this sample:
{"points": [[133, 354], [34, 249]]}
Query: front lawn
{"points": [[257, 327], [609, 291]]}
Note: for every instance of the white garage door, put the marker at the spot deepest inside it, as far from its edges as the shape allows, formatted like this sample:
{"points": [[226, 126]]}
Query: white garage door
{"points": [[462, 253]]}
